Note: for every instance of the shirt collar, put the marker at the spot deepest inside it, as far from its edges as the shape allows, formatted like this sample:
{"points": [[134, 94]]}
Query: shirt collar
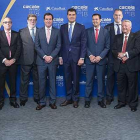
{"points": [[48, 28], [97, 28], [7, 31], [31, 28], [72, 23], [117, 23]]}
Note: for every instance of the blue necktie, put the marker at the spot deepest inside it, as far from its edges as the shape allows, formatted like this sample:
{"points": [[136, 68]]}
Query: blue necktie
{"points": [[32, 34], [70, 32], [118, 30]]}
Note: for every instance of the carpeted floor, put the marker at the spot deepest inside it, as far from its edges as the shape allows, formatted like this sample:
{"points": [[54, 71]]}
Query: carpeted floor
{"points": [[68, 123]]}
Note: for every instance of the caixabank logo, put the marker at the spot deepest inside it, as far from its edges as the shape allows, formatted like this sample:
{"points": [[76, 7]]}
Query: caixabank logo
{"points": [[104, 9], [60, 81], [57, 22], [128, 10], [81, 10], [33, 9], [55, 8]]}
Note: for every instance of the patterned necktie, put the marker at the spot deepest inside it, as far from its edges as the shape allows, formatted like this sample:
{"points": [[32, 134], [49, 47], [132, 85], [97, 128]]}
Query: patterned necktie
{"points": [[124, 45], [118, 29], [70, 32], [48, 35], [9, 41], [33, 34], [96, 35]]}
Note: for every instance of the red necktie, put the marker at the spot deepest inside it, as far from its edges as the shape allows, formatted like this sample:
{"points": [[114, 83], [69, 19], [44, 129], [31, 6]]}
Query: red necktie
{"points": [[124, 46], [96, 35], [9, 41]]}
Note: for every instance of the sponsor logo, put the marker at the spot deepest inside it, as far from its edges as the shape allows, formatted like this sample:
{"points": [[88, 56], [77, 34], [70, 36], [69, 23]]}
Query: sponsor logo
{"points": [[128, 10], [57, 22], [103, 9], [60, 81], [55, 8]]}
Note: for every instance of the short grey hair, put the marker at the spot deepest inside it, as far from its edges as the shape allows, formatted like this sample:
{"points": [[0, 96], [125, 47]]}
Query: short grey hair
{"points": [[126, 20]]}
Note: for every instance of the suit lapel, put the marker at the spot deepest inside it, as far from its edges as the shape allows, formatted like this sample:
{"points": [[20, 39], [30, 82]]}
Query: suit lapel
{"points": [[52, 34], [129, 40], [121, 45], [113, 30], [100, 33], [93, 34], [28, 33], [4, 36], [44, 35], [74, 31], [66, 31]]}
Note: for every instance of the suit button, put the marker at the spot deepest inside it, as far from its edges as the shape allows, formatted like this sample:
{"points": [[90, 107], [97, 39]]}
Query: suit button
{"points": [[69, 49]]}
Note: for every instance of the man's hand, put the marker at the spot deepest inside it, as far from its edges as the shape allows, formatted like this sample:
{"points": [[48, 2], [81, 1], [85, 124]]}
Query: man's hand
{"points": [[60, 61], [124, 59], [92, 58], [80, 62], [121, 55], [12, 61], [97, 59], [7, 63], [48, 59]]}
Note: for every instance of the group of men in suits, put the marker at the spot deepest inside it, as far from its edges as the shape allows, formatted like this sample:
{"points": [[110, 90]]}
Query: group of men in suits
{"points": [[41, 50]]}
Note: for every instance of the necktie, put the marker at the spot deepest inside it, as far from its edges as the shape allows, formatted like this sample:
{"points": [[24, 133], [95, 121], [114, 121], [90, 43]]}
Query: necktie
{"points": [[48, 35], [124, 46], [32, 34], [9, 41], [96, 35], [118, 29], [70, 32]]}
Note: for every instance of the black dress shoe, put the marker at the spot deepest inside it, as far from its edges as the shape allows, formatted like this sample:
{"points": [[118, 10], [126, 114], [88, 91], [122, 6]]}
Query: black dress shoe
{"points": [[53, 106], [39, 107], [66, 102], [1, 105], [102, 104], [134, 109], [119, 106], [23, 102], [108, 102], [75, 104], [36, 100], [14, 104], [87, 104]]}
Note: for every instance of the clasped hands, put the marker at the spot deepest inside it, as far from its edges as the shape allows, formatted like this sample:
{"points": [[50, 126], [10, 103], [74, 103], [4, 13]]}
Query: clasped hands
{"points": [[122, 56], [9, 62], [95, 59], [48, 59]]}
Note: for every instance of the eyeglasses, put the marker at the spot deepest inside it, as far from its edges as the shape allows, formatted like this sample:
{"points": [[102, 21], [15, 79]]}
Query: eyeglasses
{"points": [[10, 22], [32, 19]]}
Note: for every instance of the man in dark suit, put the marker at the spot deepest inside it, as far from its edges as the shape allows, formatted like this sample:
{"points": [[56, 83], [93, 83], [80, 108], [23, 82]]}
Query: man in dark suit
{"points": [[114, 29], [47, 45], [98, 45], [9, 53], [72, 56], [126, 50], [28, 60]]}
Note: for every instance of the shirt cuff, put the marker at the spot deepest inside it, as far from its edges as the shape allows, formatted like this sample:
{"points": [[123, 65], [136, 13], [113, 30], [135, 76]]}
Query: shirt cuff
{"points": [[44, 56], [82, 58], [4, 60], [127, 55]]}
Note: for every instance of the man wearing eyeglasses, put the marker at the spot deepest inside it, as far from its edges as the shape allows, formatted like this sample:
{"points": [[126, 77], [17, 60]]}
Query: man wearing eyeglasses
{"points": [[9, 54], [28, 60]]}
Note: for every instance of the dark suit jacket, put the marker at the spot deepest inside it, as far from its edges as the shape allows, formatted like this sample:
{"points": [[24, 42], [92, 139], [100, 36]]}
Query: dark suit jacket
{"points": [[51, 49], [133, 49], [15, 46], [77, 44], [100, 48], [110, 28], [28, 53]]}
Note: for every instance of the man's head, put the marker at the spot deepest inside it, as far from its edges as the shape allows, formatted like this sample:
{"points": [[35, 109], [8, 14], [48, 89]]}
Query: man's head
{"points": [[48, 19], [96, 20], [71, 15], [118, 15], [126, 26], [31, 20], [7, 23]]}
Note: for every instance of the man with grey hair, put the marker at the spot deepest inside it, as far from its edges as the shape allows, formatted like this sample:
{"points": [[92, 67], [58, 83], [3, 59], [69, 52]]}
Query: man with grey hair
{"points": [[28, 60], [114, 29], [126, 51]]}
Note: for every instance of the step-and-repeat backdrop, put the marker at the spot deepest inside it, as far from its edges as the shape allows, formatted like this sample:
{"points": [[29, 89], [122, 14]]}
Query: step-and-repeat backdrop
{"points": [[18, 10]]}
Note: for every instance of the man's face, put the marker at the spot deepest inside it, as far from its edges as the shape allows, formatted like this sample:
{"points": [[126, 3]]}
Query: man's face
{"points": [[118, 16], [7, 24], [71, 16], [48, 21], [96, 21], [126, 27], [32, 22]]}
